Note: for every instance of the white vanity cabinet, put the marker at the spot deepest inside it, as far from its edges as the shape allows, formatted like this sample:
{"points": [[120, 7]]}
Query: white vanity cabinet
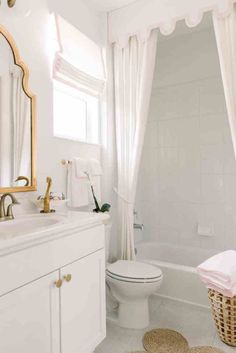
{"points": [[38, 315], [82, 305], [29, 318]]}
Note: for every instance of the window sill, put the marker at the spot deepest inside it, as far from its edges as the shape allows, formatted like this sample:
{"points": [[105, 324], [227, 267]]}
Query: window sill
{"points": [[70, 139]]}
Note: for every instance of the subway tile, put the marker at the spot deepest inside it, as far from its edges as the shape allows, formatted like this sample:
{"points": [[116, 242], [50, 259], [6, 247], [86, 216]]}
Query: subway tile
{"points": [[189, 160], [211, 129], [166, 234], [230, 189], [212, 100], [212, 159], [213, 215], [168, 160], [149, 162], [189, 188], [212, 188], [229, 159], [150, 141], [188, 166], [167, 102], [177, 133]]}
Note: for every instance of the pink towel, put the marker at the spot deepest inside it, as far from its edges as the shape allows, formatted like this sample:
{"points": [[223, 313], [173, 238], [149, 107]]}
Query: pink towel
{"points": [[219, 272], [227, 292]]}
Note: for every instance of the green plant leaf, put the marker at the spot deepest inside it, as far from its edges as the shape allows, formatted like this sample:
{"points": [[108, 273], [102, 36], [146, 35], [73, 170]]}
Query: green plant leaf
{"points": [[105, 207]]}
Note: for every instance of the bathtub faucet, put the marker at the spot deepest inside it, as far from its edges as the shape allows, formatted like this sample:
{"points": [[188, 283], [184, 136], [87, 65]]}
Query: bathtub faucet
{"points": [[138, 226]]}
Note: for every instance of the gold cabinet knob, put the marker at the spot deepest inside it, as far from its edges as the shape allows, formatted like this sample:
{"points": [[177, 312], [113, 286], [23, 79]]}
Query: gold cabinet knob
{"points": [[58, 283], [67, 278]]}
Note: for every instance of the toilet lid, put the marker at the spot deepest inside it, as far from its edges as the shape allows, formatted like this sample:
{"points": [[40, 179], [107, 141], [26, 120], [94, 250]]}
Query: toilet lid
{"points": [[133, 280], [133, 270]]}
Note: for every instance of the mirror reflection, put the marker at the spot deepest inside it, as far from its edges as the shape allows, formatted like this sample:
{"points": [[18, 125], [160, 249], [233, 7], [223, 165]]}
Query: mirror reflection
{"points": [[15, 122]]}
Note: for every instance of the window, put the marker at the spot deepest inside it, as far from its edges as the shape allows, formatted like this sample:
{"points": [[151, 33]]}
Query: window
{"points": [[79, 81], [76, 114]]}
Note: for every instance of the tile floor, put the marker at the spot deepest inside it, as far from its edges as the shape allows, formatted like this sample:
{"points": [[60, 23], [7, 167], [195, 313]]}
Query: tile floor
{"points": [[192, 322]]}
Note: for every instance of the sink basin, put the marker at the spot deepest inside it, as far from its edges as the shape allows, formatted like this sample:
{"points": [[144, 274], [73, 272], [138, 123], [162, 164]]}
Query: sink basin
{"points": [[28, 224]]}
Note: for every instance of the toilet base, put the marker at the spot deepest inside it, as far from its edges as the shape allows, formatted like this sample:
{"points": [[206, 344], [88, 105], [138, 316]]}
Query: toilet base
{"points": [[134, 315]]}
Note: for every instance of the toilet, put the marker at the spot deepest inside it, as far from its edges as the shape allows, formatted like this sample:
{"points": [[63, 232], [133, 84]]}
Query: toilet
{"points": [[131, 283]]}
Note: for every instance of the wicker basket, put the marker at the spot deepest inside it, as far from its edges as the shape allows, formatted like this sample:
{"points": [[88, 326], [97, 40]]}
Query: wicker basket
{"points": [[224, 312]]}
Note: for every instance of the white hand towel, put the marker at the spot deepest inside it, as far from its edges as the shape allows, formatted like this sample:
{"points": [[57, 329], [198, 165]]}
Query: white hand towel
{"points": [[81, 167], [94, 167], [77, 184]]}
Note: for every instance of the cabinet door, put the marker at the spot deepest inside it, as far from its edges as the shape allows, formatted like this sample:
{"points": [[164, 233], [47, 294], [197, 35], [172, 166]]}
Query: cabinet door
{"points": [[83, 316], [29, 318]]}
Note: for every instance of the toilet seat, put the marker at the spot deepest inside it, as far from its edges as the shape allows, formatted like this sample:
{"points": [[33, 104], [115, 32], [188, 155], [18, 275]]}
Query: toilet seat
{"points": [[131, 280], [134, 271]]}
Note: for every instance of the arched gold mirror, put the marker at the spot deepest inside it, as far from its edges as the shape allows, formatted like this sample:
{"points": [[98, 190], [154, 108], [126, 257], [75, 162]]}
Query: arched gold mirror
{"points": [[17, 120]]}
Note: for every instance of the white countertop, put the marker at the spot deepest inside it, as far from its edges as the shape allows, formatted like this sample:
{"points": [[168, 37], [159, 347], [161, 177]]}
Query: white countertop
{"points": [[29, 230]]}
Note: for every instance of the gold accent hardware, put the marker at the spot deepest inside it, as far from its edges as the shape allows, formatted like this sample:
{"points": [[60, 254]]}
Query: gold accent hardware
{"points": [[25, 85], [67, 278], [65, 162], [11, 3], [58, 283], [6, 216], [21, 177], [46, 200]]}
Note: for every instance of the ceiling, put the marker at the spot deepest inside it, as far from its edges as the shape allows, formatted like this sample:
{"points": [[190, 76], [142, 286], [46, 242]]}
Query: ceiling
{"points": [[107, 5]]}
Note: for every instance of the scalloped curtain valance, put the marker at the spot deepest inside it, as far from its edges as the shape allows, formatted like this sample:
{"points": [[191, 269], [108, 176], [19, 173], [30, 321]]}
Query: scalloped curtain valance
{"points": [[142, 16]]}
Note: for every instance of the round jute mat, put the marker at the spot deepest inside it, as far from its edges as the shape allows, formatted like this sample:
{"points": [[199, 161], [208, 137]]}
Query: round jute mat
{"points": [[165, 341], [205, 349]]}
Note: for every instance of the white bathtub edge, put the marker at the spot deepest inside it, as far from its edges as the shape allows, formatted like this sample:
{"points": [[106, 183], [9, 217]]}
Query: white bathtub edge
{"points": [[207, 307]]}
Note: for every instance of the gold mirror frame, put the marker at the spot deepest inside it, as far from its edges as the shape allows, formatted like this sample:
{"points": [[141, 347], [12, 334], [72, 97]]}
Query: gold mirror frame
{"points": [[32, 97]]}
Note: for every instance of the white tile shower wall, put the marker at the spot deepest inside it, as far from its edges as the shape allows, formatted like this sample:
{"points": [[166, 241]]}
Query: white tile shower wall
{"points": [[188, 171]]}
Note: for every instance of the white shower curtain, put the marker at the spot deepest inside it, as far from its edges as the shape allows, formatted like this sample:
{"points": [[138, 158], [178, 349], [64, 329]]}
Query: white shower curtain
{"points": [[225, 32], [133, 70]]}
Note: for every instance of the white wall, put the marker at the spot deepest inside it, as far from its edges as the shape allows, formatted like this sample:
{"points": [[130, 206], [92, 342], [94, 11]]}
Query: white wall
{"points": [[188, 171], [33, 37]]}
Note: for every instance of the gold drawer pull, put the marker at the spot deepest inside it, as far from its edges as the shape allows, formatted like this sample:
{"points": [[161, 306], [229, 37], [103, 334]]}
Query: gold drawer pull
{"points": [[67, 278], [58, 283]]}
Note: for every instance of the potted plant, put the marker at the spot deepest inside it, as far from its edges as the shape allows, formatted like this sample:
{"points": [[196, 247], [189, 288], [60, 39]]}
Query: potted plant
{"points": [[105, 207]]}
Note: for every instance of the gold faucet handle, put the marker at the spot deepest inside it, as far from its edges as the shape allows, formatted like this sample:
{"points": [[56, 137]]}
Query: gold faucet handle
{"points": [[67, 278]]}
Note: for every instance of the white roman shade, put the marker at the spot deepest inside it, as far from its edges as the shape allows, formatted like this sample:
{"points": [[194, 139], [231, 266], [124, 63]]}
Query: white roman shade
{"points": [[79, 61]]}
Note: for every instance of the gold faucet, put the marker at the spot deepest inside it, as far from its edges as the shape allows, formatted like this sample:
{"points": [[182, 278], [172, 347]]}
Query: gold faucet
{"points": [[21, 177], [6, 216], [46, 199]]}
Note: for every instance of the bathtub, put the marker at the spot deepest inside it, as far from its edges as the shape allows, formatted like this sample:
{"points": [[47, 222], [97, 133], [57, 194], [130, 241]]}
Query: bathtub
{"points": [[178, 264]]}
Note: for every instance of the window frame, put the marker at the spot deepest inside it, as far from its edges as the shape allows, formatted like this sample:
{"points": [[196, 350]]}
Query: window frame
{"points": [[71, 90]]}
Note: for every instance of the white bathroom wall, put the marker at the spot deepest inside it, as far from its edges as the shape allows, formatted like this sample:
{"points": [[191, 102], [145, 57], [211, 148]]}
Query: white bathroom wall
{"points": [[188, 171], [34, 40]]}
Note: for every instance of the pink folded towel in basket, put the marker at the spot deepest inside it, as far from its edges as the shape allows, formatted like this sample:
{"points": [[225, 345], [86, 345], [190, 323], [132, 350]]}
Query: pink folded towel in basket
{"points": [[219, 272], [226, 292]]}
